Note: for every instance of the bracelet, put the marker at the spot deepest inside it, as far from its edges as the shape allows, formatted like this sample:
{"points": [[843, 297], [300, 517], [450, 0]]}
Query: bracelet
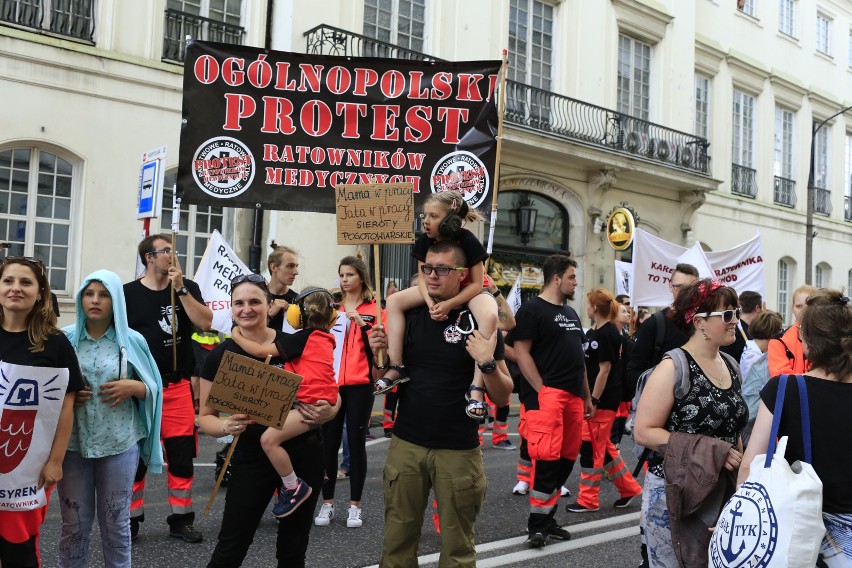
{"points": [[595, 401], [496, 294]]}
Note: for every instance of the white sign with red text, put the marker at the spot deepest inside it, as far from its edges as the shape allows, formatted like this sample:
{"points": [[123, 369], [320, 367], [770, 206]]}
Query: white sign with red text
{"points": [[218, 266], [654, 260]]}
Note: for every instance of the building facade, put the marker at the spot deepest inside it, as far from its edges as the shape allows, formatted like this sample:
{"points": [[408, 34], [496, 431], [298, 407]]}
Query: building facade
{"points": [[698, 115]]}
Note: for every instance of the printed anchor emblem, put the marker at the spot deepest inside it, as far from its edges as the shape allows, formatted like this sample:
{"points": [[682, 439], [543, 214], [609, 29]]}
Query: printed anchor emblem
{"points": [[728, 551], [18, 420]]}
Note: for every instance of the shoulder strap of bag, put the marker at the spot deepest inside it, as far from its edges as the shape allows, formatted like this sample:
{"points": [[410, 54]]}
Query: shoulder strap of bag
{"points": [[776, 419], [806, 417]]}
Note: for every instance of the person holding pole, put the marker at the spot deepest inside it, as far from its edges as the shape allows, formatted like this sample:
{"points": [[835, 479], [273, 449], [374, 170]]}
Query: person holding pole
{"points": [[253, 479], [168, 329]]}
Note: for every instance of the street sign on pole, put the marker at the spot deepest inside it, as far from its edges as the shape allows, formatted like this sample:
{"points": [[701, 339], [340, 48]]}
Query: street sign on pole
{"points": [[151, 183]]}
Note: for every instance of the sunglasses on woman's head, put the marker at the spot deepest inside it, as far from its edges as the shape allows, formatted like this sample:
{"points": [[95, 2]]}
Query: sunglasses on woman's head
{"points": [[727, 315], [250, 277], [26, 259]]}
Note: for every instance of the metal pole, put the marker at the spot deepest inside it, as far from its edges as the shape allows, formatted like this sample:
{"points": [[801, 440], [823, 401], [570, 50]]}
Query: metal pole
{"points": [[810, 233]]}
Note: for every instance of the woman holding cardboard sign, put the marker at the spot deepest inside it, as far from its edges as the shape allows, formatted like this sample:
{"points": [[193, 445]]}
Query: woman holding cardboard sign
{"points": [[253, 478]]}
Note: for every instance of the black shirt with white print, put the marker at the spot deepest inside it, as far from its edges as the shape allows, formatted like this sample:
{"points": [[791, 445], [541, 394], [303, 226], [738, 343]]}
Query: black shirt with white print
{"points": [[557, 343], [431, 405], [604, 345]]}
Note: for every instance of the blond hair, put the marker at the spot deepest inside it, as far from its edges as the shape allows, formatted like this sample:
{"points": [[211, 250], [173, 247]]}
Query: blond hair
{"points": [[453, 201]]}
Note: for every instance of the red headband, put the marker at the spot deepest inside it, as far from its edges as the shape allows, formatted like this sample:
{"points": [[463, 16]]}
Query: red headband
{"points": [[704, 292]]}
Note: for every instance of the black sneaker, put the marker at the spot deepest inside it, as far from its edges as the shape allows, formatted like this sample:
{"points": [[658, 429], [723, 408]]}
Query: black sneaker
{"points": [[537, 540], [558, 533], [577, 508], [187, 533], [624, 501], [134, 529]]}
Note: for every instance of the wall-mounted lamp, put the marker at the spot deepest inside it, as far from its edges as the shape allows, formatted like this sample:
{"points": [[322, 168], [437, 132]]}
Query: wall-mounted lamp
{"points": [[525, 216]]}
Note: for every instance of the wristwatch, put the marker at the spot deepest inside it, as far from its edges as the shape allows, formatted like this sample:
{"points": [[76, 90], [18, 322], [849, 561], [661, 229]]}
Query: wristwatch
{"points": [[182, 292], [488, 367]]}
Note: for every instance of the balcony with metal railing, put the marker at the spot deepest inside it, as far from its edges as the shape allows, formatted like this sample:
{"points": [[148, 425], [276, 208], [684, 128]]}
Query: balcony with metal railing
{"points": [[822, 201], [178, 25], [543, 111], [743, 181], [785, 192], [68, 18]]}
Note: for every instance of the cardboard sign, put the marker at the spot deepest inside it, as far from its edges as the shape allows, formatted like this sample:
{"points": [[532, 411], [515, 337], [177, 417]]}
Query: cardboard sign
{"points": [[375, 213], [243, 385]]}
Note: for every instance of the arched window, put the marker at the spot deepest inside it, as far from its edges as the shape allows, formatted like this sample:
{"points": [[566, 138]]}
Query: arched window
{"points": [[822, 275], [36, 188], [783, 287]]}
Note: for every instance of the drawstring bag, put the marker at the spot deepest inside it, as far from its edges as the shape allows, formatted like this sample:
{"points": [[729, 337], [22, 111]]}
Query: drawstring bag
{"points": [[775, 517]]}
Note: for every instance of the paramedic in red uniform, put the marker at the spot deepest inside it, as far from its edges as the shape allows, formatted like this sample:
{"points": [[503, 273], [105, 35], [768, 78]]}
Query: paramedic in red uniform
{"points": [[548, 343], [149, 311]]}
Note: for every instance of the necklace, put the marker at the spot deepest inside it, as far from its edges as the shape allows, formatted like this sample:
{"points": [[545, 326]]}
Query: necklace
{"points": [[718, 360]]}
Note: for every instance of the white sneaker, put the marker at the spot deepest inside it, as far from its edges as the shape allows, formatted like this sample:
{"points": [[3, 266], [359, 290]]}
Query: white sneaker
{"points": [[326, 513], [522, 488], [564, 491], [354, 520]]}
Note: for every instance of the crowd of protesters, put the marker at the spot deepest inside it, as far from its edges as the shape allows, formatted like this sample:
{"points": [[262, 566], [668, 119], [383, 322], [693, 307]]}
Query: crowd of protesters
{"points": [[707, 365]]}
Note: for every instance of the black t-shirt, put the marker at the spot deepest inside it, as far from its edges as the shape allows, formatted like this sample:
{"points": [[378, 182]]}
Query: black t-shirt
{"points": [[276, 322], [645, 355], [148, 312], [473, 249], [431, 405], [557, 343], [829, 403], [604, 345], [57, 352]]}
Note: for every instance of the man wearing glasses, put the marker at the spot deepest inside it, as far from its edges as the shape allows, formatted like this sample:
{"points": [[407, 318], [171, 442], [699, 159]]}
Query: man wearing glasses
{"points": [[435, 444], [149, 311]]}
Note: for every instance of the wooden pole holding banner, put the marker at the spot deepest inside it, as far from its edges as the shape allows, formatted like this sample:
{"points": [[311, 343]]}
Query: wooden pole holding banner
{"points": [[224, 469], [501, 112], [175, 227], [380, 356]]}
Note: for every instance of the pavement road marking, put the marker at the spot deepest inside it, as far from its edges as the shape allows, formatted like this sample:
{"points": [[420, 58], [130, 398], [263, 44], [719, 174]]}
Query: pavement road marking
{"points": [[573, 544]]}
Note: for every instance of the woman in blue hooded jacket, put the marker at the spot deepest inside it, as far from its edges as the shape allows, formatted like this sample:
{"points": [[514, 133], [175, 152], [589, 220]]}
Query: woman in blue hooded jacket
{"points": [[116, 421]]}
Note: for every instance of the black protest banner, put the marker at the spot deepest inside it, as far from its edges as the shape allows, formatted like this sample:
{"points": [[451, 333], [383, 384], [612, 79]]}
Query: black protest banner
{"points": [[280, 130]]}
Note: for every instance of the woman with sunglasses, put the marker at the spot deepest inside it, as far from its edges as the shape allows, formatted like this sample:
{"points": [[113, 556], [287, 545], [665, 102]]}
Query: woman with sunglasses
{"points": [[116, 424], [29, 337], [711, 407], [354, 381], [826, 325], [253, 479]]}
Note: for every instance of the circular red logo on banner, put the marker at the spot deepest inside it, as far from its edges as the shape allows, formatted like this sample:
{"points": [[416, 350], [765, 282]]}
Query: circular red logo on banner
{"points": [[463, 172], [223, 167]]}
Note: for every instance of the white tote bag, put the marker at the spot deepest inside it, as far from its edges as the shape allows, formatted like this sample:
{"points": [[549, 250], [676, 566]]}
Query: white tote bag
{"points": [[775, 517]]}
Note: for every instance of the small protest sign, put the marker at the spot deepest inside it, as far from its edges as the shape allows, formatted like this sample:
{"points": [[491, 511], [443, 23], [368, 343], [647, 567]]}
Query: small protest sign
{"points": [[375, 213], [243, 385]]}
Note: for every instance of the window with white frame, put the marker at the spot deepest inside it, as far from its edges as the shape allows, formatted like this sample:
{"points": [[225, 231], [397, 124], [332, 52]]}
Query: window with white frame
{"points": [[36, 187], [702, 105], [399, 22], [787, 17], [634, 77], [783, 143], [743, 129], [823, 33], [74, 19], [822, 275], [821, 158], [531, 43], [748, 7], [195, 226], [849, 54], [783, 287]]}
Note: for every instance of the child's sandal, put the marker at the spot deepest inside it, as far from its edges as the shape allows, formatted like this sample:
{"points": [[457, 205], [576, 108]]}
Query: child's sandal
{"points": [[388, 383], [476, 409]]}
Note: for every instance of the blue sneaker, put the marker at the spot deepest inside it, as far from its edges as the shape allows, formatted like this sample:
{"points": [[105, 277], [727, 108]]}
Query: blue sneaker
{"points": [[290, 499]]}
